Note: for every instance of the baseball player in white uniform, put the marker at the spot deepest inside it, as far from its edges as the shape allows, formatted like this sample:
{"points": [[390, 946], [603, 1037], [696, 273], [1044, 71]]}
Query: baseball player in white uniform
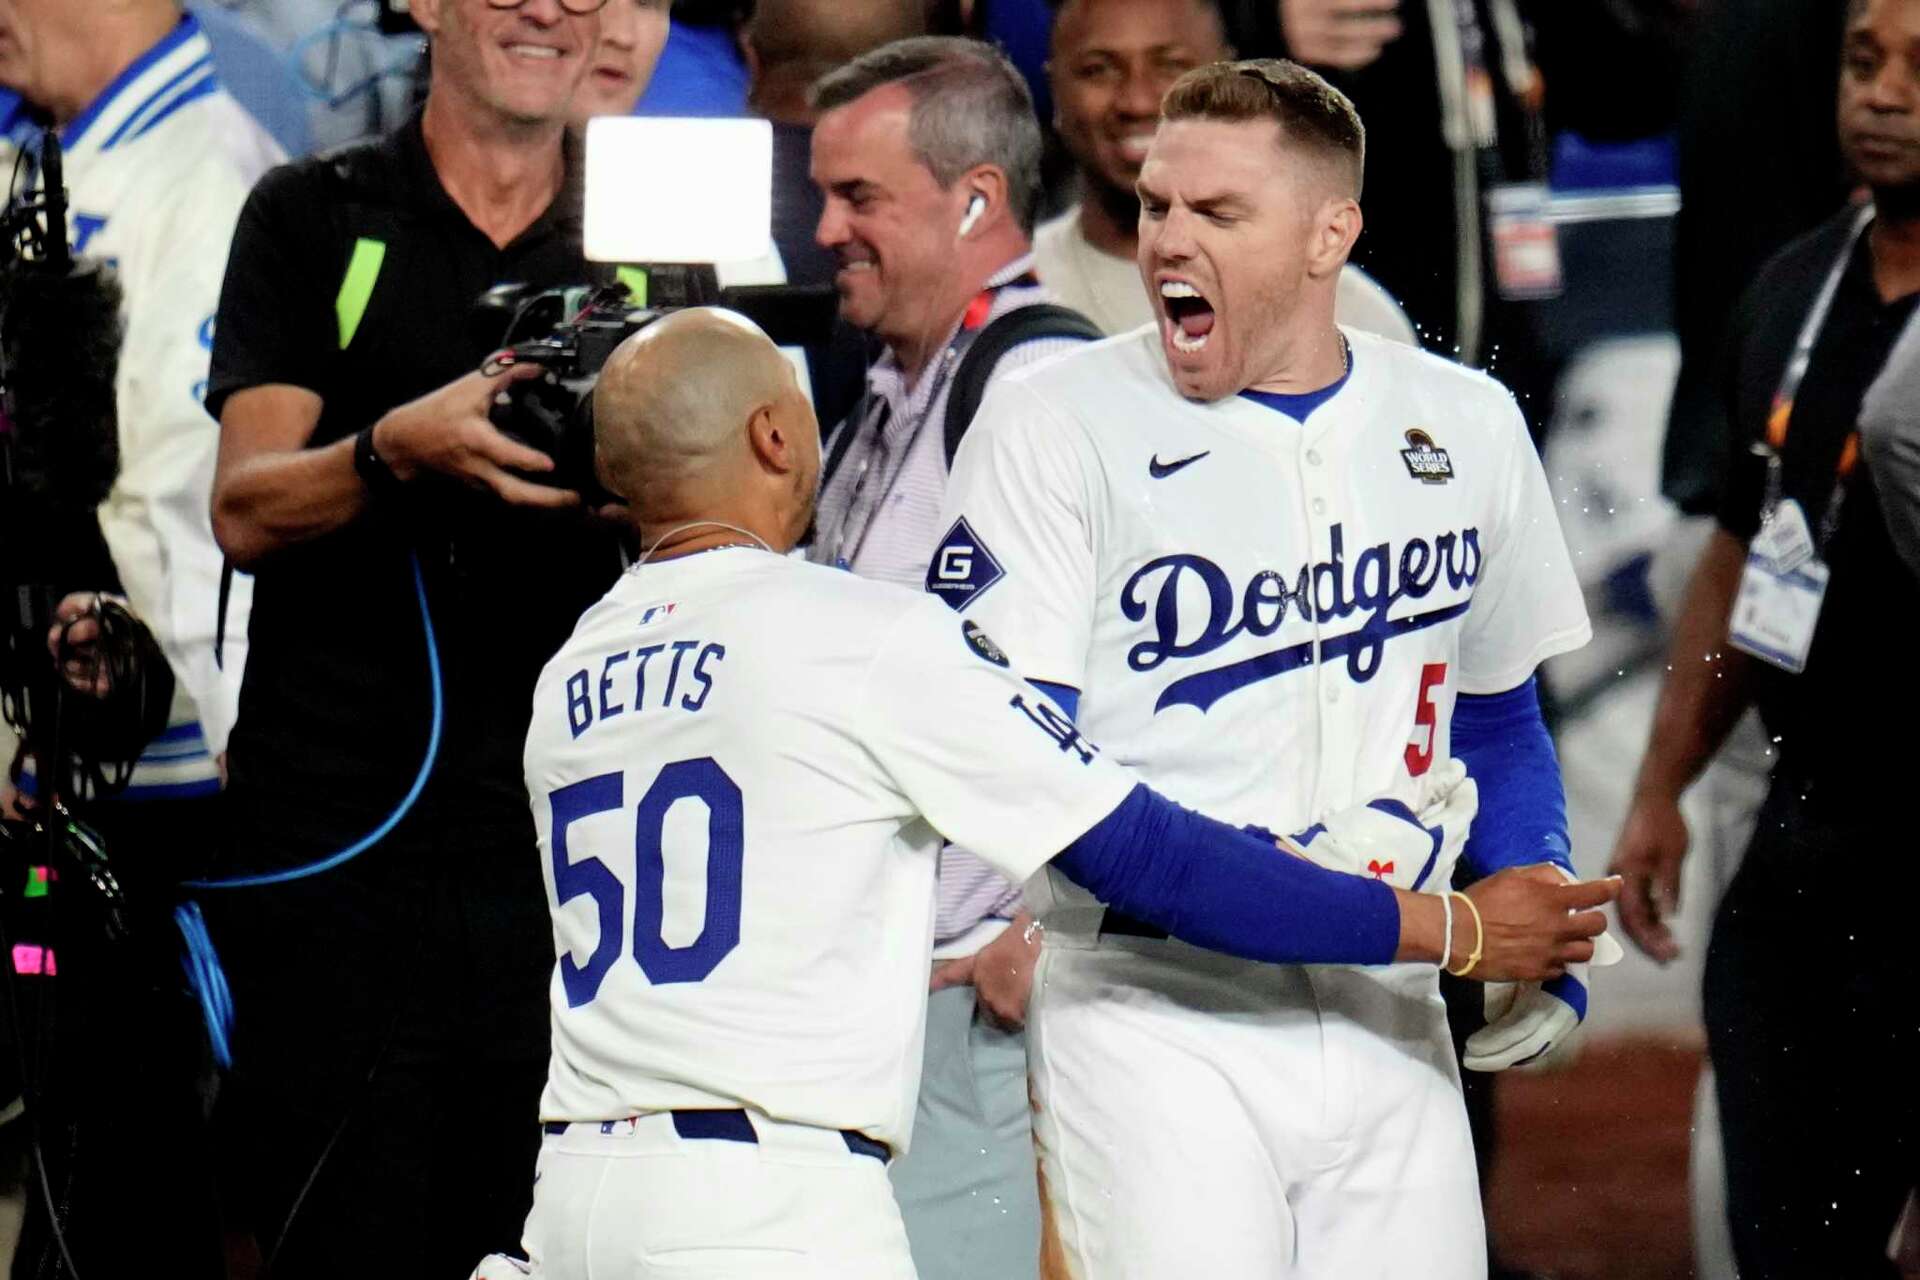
{"points": [[158, 163], [741, 766], [1266, 557]]}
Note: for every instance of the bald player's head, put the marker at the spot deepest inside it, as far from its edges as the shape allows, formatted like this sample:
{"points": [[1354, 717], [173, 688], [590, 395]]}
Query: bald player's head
{"points": [[792, 43], [699, 417]]}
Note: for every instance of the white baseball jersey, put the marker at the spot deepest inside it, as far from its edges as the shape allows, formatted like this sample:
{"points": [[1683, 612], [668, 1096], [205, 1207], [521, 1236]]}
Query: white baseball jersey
{"points": [[741, 766], [157, 168], [1265, 618]]}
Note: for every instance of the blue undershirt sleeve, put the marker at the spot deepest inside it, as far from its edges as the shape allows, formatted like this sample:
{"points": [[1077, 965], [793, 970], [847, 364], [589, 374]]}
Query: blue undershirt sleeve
{"points": [[1523, 806], [1063, 696], [1218, 887]]}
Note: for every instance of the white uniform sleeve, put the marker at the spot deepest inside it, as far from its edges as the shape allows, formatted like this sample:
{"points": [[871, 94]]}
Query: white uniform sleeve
{"points": [[1526, 605], [1017, 557], [982, 754], [156, 521]]}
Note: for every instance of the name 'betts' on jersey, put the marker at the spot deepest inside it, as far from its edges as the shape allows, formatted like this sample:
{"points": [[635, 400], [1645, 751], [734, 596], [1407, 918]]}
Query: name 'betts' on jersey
{"points": [[1270, 620]]}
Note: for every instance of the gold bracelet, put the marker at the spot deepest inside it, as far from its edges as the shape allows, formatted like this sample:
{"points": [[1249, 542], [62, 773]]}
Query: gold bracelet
{"points": [[1479, 936]]}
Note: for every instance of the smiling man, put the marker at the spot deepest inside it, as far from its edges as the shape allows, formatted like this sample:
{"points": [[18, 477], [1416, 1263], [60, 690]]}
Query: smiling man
{"points": [[390, 1026], [1272, 563], [927, 155]]}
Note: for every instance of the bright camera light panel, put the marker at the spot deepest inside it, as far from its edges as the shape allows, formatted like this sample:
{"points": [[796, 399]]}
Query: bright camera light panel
{"points": [[669, 190]]}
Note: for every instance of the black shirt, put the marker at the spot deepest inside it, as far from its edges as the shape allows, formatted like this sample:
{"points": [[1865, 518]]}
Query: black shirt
{"points": [[1757, 98], [1410, 242], [335, 705], [1833, 723]]}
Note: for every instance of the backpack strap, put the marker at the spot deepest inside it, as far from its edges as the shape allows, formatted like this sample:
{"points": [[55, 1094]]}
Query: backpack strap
{"points": [[1016, 328]]}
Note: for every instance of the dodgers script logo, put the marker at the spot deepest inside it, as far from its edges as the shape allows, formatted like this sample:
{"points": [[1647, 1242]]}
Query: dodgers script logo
{"points": [[1325, 590]]}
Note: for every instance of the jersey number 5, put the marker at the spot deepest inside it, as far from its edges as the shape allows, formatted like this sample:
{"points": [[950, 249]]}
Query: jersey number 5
{"points": [[1426, 719], [701, 778]]}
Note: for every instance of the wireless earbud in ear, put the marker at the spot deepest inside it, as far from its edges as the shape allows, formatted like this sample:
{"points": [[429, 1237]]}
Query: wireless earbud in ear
{"points": [[975, 207]]}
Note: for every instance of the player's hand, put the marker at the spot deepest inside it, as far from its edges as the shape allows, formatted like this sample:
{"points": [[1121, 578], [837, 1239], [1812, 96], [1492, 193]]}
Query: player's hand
{"points": [[73, 641], [1003, 973], [951, 973], [1343, 34], [1386, 840], [1533, 924], [448, 431], [1647, 858], [1528, 1020]]}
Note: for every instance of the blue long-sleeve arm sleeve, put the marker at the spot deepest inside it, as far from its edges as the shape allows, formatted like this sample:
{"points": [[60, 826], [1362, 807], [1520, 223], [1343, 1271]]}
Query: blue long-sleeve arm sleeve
{"points": [[1523, 806], [1064, 696], [1219, 887]]}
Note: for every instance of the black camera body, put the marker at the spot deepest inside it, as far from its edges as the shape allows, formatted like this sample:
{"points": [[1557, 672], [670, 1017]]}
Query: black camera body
{"points": [[571, 332]]}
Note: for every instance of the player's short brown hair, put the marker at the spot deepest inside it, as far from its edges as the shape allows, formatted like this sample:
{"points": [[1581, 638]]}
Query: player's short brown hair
{"points": [[1311, 113]]}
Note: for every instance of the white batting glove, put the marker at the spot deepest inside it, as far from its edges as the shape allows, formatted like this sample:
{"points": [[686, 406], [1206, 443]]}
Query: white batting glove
{"points": [[1526, 1020], [1410, 847]]}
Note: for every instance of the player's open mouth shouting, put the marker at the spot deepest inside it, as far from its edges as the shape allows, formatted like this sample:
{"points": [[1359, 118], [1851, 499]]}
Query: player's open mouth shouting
{"points": [[1187, 316]]}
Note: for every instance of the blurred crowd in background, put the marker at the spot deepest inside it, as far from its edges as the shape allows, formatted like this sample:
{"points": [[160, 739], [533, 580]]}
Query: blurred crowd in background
{"points": [[1571, 194]]}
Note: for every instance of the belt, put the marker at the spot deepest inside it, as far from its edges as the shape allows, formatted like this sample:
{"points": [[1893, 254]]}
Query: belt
{"points": [[1124, 925], [727, 1125]]}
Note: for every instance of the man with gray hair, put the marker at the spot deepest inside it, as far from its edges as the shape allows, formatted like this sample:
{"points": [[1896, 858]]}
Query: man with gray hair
{"points": [[927, 152]]}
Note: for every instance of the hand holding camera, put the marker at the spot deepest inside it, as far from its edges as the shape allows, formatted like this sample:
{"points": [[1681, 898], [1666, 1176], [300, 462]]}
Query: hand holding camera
{"points": [[449, 431]]}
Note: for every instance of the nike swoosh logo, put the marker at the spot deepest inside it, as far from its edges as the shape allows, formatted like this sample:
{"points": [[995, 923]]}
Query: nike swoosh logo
{"points": [[1161, 470]]}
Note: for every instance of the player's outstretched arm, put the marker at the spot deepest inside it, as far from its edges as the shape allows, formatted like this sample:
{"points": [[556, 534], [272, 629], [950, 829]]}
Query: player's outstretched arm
{"points": [[1225, 889]]}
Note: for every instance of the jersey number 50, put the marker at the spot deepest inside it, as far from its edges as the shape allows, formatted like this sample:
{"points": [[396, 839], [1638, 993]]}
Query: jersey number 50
{"points": [[590, 877]]}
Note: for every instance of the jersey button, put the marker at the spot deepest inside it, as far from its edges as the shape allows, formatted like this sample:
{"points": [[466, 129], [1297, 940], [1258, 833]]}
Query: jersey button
{"points": [[1313, 457], [1319, 506], [1333, 694]]}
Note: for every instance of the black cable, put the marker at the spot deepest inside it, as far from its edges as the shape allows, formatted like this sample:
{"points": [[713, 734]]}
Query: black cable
{"points": [[62, 777], [354, 1104], [29, 1089]]}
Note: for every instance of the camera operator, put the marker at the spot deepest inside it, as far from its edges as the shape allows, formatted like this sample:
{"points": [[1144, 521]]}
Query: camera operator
{"points": [[391, 1012]]}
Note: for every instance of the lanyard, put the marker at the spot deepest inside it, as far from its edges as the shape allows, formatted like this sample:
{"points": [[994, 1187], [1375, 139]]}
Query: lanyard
{"points": [[1780, 413], [1469, 51], [875, 482]]}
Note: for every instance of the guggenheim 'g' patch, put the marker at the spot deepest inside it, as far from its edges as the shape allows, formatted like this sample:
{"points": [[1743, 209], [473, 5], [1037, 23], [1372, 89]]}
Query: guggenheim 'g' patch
{"points": [[962, 567], [982, 643], [1426, 461]]}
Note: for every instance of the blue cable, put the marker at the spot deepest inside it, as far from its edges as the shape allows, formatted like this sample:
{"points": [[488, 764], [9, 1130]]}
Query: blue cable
{"points": [[202, 962], [380, 832], [208, 980]]}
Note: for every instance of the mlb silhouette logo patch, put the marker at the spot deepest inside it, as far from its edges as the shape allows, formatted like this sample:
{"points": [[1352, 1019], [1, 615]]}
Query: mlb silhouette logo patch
{"points": [[1426, 461], [657, 613], [981, 643]]}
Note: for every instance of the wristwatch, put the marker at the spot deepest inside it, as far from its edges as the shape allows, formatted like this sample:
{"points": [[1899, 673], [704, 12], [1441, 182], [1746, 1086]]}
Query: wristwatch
{"points": [[373, 470]]}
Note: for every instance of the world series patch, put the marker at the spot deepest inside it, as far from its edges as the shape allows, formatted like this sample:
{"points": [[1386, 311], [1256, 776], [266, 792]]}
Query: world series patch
{"points": [[1426, 461]]}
